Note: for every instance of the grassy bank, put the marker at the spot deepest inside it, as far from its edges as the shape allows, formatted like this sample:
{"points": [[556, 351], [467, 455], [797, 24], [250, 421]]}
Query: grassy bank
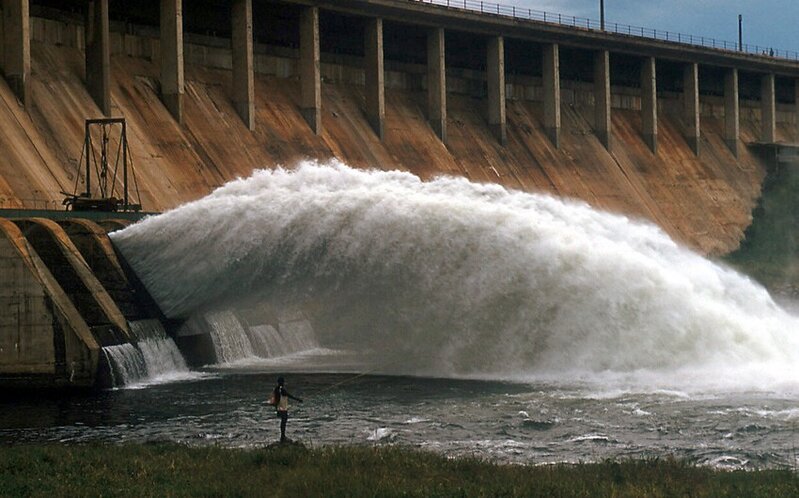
{"points": [[172, 470]]}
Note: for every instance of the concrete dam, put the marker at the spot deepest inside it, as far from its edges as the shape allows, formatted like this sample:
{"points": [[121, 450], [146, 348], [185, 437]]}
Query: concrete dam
{"points": [[666, 130]]}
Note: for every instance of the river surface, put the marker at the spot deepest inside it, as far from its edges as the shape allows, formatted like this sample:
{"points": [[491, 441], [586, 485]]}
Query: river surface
{"points": [[499, 421]]}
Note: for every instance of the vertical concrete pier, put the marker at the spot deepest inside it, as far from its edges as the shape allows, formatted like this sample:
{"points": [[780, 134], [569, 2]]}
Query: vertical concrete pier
{"points": [[768, 111], [731, 122], [310, 78], [691, 105], [98, 54], [17, 48], [796, 103], [552, 93], [649, 104], [602, 124], [495, 66], [172, 78], [375, 84], [243, 61], [437, 83]]}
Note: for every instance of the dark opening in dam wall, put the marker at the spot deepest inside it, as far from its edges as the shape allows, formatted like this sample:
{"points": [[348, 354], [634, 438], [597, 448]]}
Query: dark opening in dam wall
{"points": [[558, 139]]}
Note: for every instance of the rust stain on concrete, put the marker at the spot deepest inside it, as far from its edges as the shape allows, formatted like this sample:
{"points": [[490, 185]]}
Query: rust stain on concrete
{"points": [[704, 202]]}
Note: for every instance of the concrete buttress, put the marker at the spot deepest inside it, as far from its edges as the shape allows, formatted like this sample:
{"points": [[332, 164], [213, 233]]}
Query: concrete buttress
{"points": [[44, 341], [768, 110], [437, 82], [649, 103], [552, 93], [95, 247], [75, 277], [731, 110], [17, 48], [375, 76], [691, 107], [172, 70], [495, 65], [243, 61], [602, 123], [310, 77], [98, 54]]}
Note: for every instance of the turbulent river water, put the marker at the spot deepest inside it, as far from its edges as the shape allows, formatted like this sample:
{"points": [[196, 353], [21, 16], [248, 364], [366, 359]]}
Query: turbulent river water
{"points": [[464, 318]]}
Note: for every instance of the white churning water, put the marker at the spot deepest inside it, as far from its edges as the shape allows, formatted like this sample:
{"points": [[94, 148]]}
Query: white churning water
{"points": [[454, 279], [154, 358]]}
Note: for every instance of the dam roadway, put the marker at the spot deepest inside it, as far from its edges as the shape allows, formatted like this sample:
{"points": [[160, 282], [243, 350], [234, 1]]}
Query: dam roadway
{"points": [[212, 90]]}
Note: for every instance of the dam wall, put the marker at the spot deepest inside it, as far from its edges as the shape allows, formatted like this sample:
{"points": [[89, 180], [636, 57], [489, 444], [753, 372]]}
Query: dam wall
{"points": [[74, 314], [660, 130], [57, 316], [702, 199]]}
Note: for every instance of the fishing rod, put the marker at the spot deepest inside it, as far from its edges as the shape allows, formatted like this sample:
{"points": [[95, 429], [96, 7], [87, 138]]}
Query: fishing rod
{"points": [[356, 376]]}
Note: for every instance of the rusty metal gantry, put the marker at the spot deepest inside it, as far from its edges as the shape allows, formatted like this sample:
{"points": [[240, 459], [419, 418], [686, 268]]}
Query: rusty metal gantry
{"points": [[105, 200]]}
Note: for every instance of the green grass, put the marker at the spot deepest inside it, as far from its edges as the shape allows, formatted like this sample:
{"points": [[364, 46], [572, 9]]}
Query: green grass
{"points": [[173, 470]]}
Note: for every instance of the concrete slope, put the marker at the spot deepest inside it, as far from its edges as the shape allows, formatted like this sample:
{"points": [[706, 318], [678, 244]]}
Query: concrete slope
{"points": [[96, 249], [74, 275], [705, 202]]}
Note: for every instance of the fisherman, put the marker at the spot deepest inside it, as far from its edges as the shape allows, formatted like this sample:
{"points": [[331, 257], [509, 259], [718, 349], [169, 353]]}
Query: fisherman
{"points": [[280, 400]]}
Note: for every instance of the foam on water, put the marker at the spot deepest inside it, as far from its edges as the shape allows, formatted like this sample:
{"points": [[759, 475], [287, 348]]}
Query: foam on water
{"points": [[230, 340], [451, 278], [153, 359], [237, 342]]}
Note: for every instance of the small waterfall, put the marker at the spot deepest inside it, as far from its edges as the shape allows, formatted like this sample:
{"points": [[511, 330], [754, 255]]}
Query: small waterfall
{"points": [[288, 338], [154, 356], [235, 340], [127, 364], [266, 340], [229, 337], [161, 354]]}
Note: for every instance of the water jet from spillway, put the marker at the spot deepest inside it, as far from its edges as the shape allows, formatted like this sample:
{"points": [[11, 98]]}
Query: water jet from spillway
{"points": [[452, 278]]}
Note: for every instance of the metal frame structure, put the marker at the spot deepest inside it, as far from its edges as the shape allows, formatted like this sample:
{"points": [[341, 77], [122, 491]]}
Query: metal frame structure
{"points": [[106, 200]]}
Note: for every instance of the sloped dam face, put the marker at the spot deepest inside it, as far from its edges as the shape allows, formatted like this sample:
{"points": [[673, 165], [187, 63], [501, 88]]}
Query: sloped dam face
{"points": [[553, 281], [704, 201]]}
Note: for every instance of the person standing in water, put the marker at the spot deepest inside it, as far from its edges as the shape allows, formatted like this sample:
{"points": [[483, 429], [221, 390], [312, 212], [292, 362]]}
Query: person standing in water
{"points": [[280, 400]]}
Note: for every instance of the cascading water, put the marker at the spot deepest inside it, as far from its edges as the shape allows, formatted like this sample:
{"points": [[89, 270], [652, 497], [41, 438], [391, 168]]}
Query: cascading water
{"points": [[126, 364], [235, 340], [229, 337], [451, 278], [153, 358]]}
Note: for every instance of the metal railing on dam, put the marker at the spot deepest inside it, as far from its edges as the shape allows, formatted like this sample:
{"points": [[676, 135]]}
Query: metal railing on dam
{"points": [[528, 14]]}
